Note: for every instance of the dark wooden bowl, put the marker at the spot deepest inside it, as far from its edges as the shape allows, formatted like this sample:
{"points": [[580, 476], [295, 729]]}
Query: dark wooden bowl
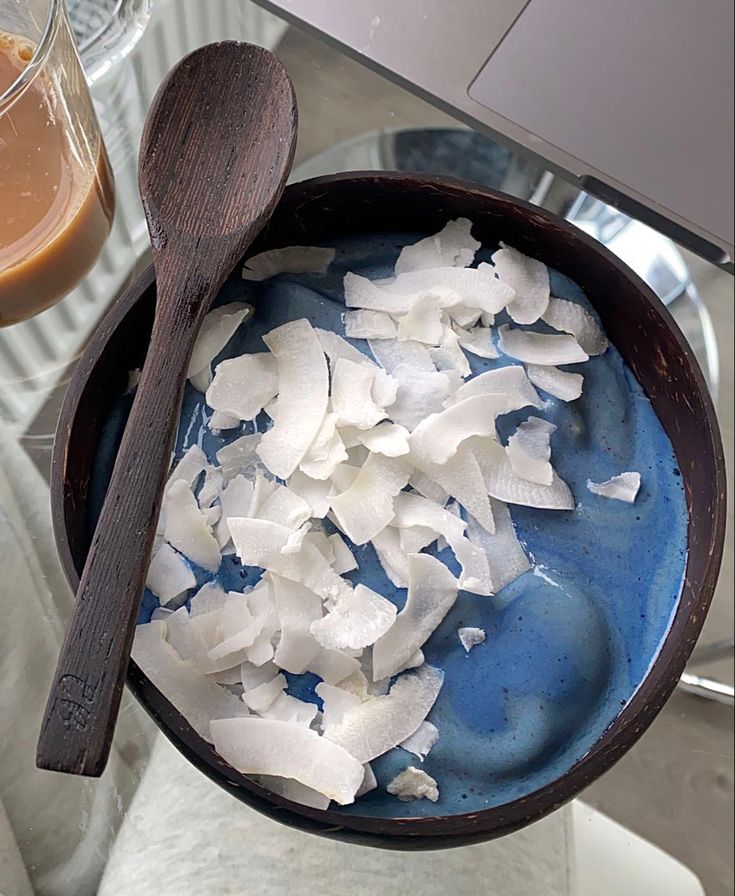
{"points": [[637, 324]]}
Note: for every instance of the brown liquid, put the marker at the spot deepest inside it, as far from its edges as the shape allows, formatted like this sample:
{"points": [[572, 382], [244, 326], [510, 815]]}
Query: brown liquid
{"points": [[55, 211]]}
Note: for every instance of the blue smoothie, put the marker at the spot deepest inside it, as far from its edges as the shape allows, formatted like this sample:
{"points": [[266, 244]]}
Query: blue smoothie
{"points": [[568, 642]]}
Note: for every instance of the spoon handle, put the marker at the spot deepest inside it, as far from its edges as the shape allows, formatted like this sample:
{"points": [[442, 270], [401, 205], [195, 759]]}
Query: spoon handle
{"points": [[83, 703]]}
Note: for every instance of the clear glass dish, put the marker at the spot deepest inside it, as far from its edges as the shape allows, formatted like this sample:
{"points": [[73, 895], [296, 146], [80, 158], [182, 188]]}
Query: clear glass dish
{"points": [[106, 31]]}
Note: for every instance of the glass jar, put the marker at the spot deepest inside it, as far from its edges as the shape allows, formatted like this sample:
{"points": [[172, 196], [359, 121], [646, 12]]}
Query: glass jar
{"points": [[56, 186]]}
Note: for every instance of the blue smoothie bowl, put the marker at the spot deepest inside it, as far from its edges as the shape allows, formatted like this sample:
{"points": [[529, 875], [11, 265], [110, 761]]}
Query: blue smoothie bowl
{"points": [[583, 650]]}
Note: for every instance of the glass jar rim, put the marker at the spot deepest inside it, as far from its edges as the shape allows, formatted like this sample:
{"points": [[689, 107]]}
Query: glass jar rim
{"points": [[40, 54]]}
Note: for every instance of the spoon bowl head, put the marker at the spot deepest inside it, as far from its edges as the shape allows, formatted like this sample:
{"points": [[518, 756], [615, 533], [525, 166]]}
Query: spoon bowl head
{"points": [[216, 151]]}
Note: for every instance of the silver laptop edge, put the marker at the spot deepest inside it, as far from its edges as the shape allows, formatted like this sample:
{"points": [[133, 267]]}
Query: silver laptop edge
{"points": [[676, 177]]}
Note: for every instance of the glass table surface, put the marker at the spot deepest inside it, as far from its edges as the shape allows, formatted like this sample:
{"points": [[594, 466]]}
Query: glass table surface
{"points": [[659, 822]]}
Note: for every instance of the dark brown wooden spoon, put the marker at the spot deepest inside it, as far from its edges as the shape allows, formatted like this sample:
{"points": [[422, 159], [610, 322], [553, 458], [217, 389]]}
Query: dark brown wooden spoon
{"points": [[215, 154]]}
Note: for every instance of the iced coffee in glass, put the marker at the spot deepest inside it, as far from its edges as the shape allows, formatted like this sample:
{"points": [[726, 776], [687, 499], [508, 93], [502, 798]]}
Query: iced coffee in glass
{"points": [[56, 188]]}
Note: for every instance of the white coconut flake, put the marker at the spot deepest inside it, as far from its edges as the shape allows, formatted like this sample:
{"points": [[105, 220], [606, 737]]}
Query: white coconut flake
{"points": [[335, 347], [192, 464], [219, 422], [415, 514], [391, 555], [414, 784], [321, 543], [356, 457], [261, 696], [240, 457], [356, 621], [415, 538], [352, 399], [509, 381], [235, 500], [623, 487], [218, 327], [344, 560], [192, 637], [477, 341], [389, 439], [421, 741], [258, 542], [336, 702], [363, 293], [529, 451], [381, 723], [210, 597], [211, 487], [392, 353], [289, 260], [384, 389], [559, 383], [288, 750], [264, 611], [505, 555], [294, 791], [186, 528], [432, 591], [448, 354], [303, 394], [365, 324], [466, 318], [453, 246], [529, 279], [358, 683], [263, 488], [462, 478], [212, 515], [476, 290], [470, 637], [502, 483], [423, 322], [285, 507], [251, 676], [309, 568], [317, 493], [235, 615], [198, 698], [297, 608], [169, 575], [429, 489], [420, 393], [243, 386], [334, 666], [228, 677], [286, 708], [569, 317], [540, 348], [369, 782], [366, 506], [243, 619], [436, 439], [327, 450], [133, 380], [261, 650]]}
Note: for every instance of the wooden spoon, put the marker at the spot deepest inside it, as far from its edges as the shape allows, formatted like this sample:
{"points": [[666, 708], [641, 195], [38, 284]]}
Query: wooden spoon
{"points": [[215, 154]]}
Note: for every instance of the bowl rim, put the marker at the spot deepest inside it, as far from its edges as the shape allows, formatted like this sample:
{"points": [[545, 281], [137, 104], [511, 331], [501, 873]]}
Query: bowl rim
{"points": [[439, 831]]}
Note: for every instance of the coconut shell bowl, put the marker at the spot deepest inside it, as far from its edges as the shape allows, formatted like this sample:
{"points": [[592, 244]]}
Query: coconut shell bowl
{"points": [[553, 698]]}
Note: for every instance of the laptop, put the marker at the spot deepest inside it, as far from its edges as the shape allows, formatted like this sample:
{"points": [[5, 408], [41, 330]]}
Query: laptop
{"points": [[630, 99]]}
